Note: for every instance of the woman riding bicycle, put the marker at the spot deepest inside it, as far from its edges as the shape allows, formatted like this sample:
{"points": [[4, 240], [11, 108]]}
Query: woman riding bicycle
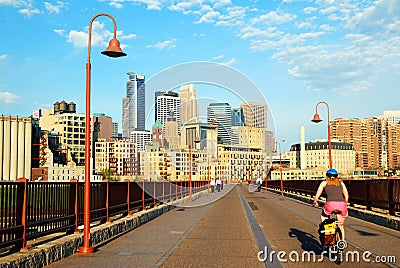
{"points": [[337, 197]]}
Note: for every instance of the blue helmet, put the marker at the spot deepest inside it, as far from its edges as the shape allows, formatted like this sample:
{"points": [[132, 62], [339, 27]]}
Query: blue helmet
{"points": [[332, 173]]}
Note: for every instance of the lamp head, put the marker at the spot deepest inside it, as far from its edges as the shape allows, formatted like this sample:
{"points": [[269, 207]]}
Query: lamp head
{"points": [[316, 118], [113, 50], [197, 139]]}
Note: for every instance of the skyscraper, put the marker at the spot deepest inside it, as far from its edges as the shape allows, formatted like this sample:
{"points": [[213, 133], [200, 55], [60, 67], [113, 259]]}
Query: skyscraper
{"points": [[168, 105], [189, 104], [238, 117], [133, 105], [221, 114], [255, 114]]}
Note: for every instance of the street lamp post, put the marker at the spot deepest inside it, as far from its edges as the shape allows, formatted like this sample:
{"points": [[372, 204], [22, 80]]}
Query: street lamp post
{"points": [[197, 140], [317, 119], [113, 50], [280, 163]]}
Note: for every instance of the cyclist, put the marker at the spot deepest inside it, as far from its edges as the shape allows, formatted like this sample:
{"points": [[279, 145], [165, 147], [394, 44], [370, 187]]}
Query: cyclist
{"points": [[337, 197]]}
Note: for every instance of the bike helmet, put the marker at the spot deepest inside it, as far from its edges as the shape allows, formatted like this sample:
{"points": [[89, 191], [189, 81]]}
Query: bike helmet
{"points": [[332, 173]]}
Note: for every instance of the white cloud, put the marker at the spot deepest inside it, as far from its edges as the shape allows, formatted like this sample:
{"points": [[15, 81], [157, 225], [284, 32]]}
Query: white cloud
{"points": [[59, 31], [230, 62], [3, 57], [221, 3], [151, 4], [29, 12], [274, 18], [55, 8], [218, 57], [116, 3], [8, 97], [184, 6], [164, 45], [100, 36], [210, 17], [309, 10]]}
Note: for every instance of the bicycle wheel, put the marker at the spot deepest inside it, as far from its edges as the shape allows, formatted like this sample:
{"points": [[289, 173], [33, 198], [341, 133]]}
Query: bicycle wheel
{"points": [[339, 246]]}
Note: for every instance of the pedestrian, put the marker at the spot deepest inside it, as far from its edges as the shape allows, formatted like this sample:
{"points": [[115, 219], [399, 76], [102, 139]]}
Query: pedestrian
{"points": [[218, 185], [259, 183], [212, 185], [222, 185]]}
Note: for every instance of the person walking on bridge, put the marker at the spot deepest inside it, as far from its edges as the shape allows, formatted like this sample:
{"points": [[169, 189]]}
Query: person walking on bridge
{"points": [[212, 184], [337, 197]]}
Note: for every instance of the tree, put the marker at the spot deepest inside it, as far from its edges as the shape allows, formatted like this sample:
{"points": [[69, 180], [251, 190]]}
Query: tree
{"points": [[107, 174]]}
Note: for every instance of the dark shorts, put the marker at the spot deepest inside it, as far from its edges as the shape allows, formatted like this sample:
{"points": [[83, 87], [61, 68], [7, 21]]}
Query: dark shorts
{"points": [[331, 206]]}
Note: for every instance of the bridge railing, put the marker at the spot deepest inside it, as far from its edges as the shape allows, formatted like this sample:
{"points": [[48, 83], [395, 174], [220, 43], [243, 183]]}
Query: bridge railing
{"points": [[30, 210], [370, 193]]}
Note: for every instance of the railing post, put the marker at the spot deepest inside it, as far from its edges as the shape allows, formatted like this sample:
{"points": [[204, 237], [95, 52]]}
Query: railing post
{"points": [[73, 202], [368, 197], [154, 193], [163, 191], [107, 199], [143, 207], [176, 190], [21, 213], [128, 198], [391, 196]]}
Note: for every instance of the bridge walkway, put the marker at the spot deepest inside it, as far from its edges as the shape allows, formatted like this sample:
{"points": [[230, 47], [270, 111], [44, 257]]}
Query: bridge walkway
{"points": [[230, 229]]}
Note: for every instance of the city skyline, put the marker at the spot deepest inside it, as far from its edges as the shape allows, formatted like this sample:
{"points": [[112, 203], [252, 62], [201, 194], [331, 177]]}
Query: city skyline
{"points": [[296, 52]]}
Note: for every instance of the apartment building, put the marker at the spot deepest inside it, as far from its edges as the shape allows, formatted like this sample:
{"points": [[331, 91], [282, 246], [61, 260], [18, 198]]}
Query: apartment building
{"points": [[118, 156], [316, 155], [376, 141]]}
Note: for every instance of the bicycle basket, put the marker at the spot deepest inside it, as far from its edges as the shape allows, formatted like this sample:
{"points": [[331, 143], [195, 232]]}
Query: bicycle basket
{"points": [[327, 232]]}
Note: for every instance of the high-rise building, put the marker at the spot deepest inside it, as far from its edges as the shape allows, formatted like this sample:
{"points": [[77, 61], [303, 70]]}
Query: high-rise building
{"points": [[102, 126], [168, 106], [221, 114], [157, 135], [171, 130], [141, 137], [189, 104], [376, 140], [255, 114], [114, 135], [238, 117], [133, 105]]}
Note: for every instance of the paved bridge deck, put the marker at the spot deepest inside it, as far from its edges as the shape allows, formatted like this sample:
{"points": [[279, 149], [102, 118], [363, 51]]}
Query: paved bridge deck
{"points": [[229, 228]]}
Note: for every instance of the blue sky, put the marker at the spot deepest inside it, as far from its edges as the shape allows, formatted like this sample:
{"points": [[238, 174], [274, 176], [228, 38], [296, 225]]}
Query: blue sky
{"points": [[295, 52]]}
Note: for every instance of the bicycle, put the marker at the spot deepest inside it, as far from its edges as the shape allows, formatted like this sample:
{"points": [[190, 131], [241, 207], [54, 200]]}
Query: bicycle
{"points": [[332, 238]]}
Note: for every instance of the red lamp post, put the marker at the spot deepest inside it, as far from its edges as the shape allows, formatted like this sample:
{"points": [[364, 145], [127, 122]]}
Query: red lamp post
{"points": [[197, 140], [317, 119], [280, 163], [113, 50]]}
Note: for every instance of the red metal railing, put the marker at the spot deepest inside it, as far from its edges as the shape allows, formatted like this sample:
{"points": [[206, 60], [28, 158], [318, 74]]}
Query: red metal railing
{"points": [[30, 210], [380, 193]]}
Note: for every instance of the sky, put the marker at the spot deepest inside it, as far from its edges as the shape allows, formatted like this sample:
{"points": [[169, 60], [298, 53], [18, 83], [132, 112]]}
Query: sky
{"points": [[290, 54]]}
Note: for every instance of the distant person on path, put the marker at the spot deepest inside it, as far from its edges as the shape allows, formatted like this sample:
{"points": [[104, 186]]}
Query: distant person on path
{"points": [[219, 185], [212, 184], [259, 183], [337, 197]]}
